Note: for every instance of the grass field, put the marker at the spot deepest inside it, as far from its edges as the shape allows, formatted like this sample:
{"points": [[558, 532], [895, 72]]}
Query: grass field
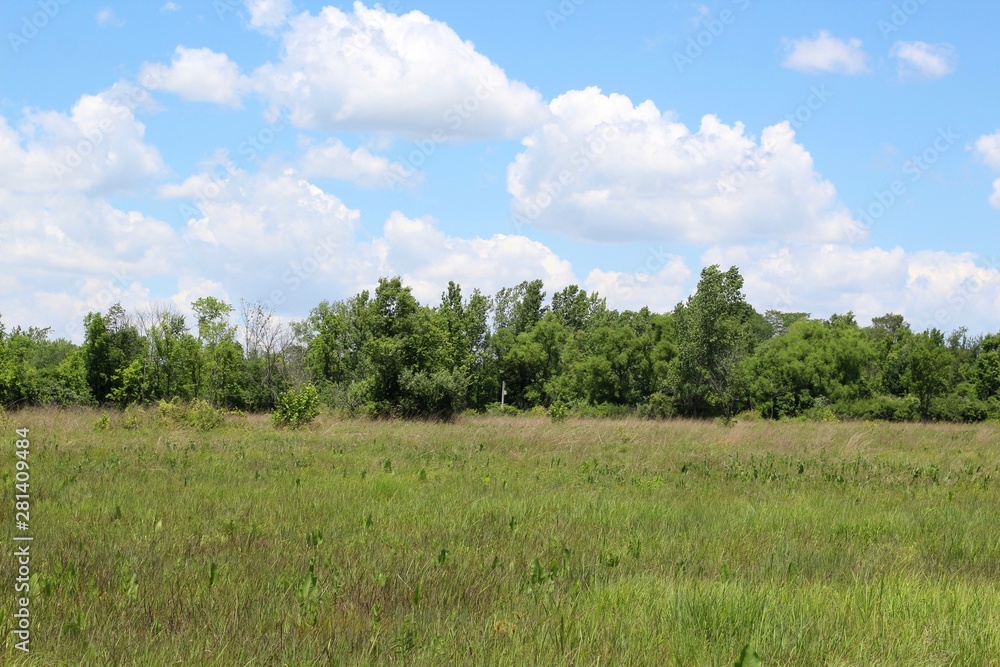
{"points": [[507, 541]]}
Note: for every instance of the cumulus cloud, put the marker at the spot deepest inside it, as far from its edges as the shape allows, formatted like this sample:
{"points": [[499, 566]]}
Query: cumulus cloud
{"points": [[98, 146], [427, 259], [267, 15], [373, 70], [198, 75], [66, 254], [660, 283], [987, 148], [825, 53], [606, 170], [924, 61], [931, 288], [332, 159]]}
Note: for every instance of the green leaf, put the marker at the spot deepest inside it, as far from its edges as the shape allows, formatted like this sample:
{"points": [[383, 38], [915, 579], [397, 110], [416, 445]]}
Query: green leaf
{"points": [[748, 658]]}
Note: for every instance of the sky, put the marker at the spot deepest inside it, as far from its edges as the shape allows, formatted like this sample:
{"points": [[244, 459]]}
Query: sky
{"points": [[845, 155]]}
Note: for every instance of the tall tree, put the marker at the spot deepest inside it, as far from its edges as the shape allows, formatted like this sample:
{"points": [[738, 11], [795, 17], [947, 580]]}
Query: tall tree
{"points": [[715, 331]]}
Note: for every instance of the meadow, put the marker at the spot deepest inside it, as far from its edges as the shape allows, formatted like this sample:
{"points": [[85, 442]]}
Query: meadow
{"points": [[506, 541]]}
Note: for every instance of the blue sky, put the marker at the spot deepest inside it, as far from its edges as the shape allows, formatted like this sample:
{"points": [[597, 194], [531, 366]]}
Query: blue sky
{"points": [[843, 154]]}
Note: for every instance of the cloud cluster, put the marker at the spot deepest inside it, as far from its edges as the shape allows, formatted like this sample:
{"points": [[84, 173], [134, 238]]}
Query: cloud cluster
{"points": [[607, 170], [333, 159], [99, 146]]}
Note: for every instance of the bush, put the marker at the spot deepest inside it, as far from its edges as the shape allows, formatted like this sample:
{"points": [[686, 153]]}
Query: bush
{"points": [[173, 412], [658, 406], [603, 411], [439, 395], [296, 408], [956, 408], [505, 410], [103, 423], [887, 408], [558, 412], [203, 416], [133, 418], [199, 414]]}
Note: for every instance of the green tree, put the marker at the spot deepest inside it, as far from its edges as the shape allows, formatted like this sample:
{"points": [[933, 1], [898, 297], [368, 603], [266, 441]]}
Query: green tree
{"points": [[715, 330], [926, 375], [222, 355]]}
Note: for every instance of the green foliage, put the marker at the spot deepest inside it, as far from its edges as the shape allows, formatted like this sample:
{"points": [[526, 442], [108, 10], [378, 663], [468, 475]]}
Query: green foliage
{"points": [[659, 406], [748, 658], [103, 423], [296, 408], [202, 416], [133, 418], [716, 331], [558, 412], [888, 408], [505, 410], [385, 355]]}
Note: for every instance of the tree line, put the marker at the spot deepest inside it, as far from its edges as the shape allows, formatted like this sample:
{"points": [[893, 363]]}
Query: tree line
{"points": [[383, 354]]}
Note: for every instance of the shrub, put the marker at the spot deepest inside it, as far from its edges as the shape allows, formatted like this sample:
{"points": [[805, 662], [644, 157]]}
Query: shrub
{"points": [[658, 406], [438, 395], [103, 423], [203, 416], [296, 408], [173, 412], [505, 410], [888, 408], [133, 418], [558, 412], [957, 408]]}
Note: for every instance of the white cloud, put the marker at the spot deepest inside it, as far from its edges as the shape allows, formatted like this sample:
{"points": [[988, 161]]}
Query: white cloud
{"points": [[427, 259], [660, 284], [605, 170], [267, 15], [923, 60], [66, 254], [198, 75], [332, 159], [987, 147], [932, 289], [170, 6], [377, 71], [98, 146], [825, 53], [106, 18]]}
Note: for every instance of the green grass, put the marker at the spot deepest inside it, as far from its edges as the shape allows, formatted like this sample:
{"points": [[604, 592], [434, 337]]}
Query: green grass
{"points": [[508, 542]]}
